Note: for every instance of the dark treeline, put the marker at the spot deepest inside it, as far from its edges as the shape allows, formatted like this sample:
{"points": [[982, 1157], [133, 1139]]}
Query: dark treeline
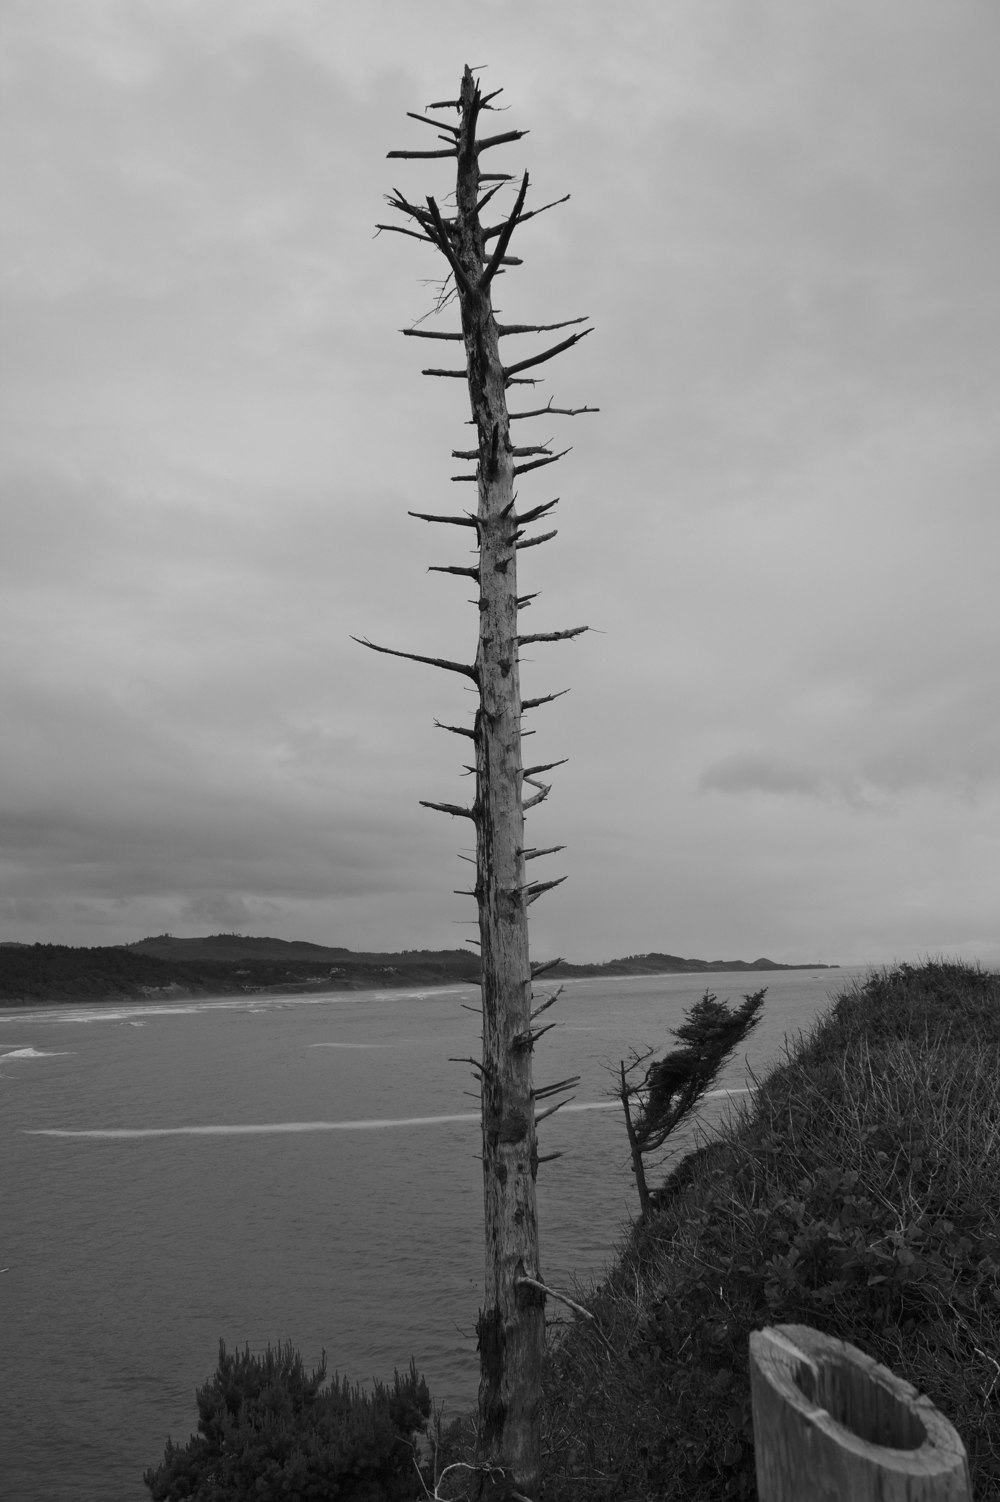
{"points": [[230, 964], [38, 973]]}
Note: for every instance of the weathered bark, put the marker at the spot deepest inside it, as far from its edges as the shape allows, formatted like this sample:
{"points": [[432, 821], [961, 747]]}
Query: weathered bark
{"points": [[511, 1326]]}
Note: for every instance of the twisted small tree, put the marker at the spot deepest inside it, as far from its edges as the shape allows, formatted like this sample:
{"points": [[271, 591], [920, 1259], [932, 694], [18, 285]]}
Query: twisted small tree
{"points": [[671, 1087], [511, 1324]]}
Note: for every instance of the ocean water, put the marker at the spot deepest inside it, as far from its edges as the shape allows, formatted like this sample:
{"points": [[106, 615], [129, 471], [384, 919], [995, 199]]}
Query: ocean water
{"points": [[286, 1168]]}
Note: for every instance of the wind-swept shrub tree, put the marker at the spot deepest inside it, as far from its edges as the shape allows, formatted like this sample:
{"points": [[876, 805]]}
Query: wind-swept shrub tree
{"points": [[511, 1325], [671, 1087], [269, 1431]]}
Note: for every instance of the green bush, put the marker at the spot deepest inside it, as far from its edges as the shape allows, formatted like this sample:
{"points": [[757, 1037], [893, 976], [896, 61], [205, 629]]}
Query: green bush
{"points": [[270, 1432]]}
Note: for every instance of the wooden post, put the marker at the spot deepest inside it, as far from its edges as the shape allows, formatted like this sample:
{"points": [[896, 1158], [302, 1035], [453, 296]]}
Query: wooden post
{"points": [[833, 1425]]}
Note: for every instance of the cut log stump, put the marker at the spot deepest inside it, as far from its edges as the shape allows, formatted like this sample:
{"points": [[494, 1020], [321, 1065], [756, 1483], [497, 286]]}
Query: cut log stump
{"points": [[832, 1425]]}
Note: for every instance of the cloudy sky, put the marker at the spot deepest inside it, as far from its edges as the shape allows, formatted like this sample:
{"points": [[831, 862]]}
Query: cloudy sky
{"points": [[784, 223]]}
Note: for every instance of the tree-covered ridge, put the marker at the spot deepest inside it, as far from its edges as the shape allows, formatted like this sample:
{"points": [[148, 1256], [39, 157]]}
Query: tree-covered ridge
{"points": [[230, 964], [656, 963], [38, 973]]}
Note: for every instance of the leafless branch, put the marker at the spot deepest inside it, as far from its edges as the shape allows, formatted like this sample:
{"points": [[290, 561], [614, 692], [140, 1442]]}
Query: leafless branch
{"points": [[399, 229], [544, 699], [537, 328], [444, 245], [542, 966], [549, 1001], [438, 124], [535, 889], [434, 662], [449, 808], [522, 469], [396, 200], [523, 641], [457, 730], [559, 1297], [536, 512], [501, 140], [547, 354], [456, 521], [476, 1064], [541, 1116], [555, 411], [426, 333], [534, 853], [412, 155], [487, 196], [504, 237], [544, 1091], [495, 229]]}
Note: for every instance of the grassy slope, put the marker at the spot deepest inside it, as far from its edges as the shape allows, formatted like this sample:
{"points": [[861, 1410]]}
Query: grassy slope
{"points": [[859, 1193]]}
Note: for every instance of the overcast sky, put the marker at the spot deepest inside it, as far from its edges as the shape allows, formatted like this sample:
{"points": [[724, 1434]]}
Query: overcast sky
{"points": [[785, 225]]}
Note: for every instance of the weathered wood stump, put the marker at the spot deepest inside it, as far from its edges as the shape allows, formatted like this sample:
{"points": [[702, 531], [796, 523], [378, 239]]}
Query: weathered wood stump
{"points": [[832, 1425]]}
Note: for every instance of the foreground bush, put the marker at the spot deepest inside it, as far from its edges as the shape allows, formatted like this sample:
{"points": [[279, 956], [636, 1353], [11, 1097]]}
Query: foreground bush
{"points": [[859, 1193], [269, 1432]]}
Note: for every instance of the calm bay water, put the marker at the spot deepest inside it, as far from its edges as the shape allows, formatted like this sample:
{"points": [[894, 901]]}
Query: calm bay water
{"points": [[267, 1169]]}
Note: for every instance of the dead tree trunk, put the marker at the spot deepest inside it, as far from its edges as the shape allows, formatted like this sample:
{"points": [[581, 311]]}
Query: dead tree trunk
{"points": [[625, 1093], [511, 1326]]}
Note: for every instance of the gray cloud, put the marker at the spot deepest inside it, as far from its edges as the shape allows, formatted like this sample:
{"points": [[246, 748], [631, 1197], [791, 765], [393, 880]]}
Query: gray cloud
{"points": [[767, 772], [224, 912], [783, 519]]}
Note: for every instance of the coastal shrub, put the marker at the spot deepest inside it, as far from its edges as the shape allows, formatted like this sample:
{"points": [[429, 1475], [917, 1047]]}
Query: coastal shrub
{"points": [[858, 1192], [672, 1087], [269, 1431]]}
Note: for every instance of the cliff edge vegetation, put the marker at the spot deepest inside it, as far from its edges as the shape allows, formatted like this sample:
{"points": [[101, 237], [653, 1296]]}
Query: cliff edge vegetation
{"points": [[858, 1191]]}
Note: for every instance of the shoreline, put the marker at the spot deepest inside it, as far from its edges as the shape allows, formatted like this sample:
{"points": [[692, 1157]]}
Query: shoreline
{"points": [[140, 996]]}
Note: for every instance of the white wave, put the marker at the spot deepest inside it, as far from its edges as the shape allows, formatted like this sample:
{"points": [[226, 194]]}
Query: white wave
{"points": [[146, 1010], [272, 1128], [35, 1053], [348, 1045], [250, 1129], [258, 1002]]}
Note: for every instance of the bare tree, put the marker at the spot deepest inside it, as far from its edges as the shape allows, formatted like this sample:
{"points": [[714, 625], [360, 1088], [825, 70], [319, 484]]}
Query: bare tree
{"points": [[511, 1325]]}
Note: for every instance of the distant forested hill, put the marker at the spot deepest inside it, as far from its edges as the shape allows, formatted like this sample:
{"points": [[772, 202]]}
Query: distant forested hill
{"points": [[222, 965], [655, 963], [155, 969]]}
